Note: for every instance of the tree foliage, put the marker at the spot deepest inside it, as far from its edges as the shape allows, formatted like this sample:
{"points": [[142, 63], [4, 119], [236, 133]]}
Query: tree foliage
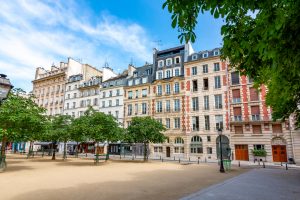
{"points": [[145, 130], [260, 39]]}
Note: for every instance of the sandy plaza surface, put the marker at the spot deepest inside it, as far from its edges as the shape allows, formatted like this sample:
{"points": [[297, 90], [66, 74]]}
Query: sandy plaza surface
{"points": [[41, 178]]}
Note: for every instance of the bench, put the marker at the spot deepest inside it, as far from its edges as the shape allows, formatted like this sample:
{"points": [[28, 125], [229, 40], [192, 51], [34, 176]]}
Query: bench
{"points": [[101, 157]]}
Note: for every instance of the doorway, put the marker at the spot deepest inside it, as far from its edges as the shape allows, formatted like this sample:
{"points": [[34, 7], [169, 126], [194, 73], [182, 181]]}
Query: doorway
{"points": [[241, 152], [279, 153], [168, 152]]}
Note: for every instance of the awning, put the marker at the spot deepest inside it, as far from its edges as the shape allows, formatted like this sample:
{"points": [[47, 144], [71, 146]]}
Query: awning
{"points": [[42, 143]]}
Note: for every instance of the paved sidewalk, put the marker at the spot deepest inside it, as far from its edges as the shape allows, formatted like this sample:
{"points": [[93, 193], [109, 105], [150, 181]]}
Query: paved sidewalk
{"points": [[262, 184]]}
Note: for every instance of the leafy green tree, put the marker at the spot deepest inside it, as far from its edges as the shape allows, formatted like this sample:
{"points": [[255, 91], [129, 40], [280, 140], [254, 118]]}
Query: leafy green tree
{"points": [[20, 120], [100, 127], [59, 131], [145, 130], [78, 131], [260, 39]]}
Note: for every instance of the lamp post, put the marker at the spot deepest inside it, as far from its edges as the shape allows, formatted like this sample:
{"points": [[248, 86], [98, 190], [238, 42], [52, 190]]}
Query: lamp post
{"points": [[221, 152], [5, 87]]}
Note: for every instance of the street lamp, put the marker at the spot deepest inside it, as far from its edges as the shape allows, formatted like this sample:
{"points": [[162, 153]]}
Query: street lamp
{"points": [[5, 87], [221, 152]]}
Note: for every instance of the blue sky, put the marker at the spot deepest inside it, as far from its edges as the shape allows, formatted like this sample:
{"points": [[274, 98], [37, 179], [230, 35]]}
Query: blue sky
{"points": [[38, 33]]}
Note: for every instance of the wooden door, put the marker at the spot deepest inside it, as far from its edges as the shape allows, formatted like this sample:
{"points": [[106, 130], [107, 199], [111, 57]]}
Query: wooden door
{"points": [[168, 152], [279, 153], [241, 152]]}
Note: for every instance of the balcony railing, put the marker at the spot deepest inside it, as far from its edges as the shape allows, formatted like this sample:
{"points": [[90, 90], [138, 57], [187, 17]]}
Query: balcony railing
{"points": [[238, 118], [255, 117], [236, 100]]}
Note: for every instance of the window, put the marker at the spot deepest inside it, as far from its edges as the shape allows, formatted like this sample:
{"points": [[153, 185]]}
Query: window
{"points": [[136, 94], [88, 102], [130, 82], [177, 60], [159, 106], [205, 68], [159, 120], [160, 63], [195, 103], [194, 70], [217, 82], [95, 101], [117, 114], [179, 140], [194, 57], [205, 55], [68, 89], [168, 73], [68, 96], [158, 149], [129, 94], [195, 121], [118, 92], [67, 105], [206, 102], [205, 84], [136, 109], [177, 72], [238, 129], [168, 89], [196, 145], [209, 150], [110, 93], [176, 105], [255, 113], [207, 123], [74, 95], [276, 128], [256, 129], [110, 103], [137, 81], [219, 121], [168, 123], [103, 94], [74, 104], [216, 67], [216, 52], [236, 96], [235, 78], [144, 108], [129, 109], [195, 85], [117, 102], [178, 149], [237, 113], [259, 146], [144, 92], [218, 101], [254, 94], [208, 139], [144, 80], [177, 122], [159, 90], [169, 62], [168, 106], [176, 87], [159, 75]]}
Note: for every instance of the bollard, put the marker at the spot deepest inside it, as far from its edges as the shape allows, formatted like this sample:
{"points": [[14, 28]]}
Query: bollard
{"points": [[259, 162], [174, 157], [159, 157], [264, 166], [179, 160], [120, 156], [286, 167], [132, 157], [198, 160], [239, 164], [281, 164], [205, 159], [86, 155], [162, 160]]}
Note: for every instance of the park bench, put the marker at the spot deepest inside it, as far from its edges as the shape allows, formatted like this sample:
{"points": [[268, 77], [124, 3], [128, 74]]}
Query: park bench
{"points": [[99, 157]]}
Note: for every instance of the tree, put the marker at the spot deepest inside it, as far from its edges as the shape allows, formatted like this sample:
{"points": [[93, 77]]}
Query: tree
{"points": [[59, 131], [145, 130], [260, 39], [77, 131], [20, 120], [100, 127]]}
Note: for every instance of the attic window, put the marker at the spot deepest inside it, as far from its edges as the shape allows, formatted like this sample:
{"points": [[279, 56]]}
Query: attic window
{"points": [[216, 53], [205, 55], [194, 57]]}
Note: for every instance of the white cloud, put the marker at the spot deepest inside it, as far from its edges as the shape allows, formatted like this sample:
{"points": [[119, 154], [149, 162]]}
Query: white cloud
{"points": [[35, 33]]}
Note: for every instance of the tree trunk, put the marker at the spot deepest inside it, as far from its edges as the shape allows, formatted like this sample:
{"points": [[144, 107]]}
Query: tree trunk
{"points": [[53, 150], [2, 156], [65, 150], [30, 150], [76, 151], [97, 153], [145, 152]]}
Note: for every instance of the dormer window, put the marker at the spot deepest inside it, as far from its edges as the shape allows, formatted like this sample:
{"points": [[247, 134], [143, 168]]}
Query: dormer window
{"points": [[135, 74], [144, 80], [177, 60], [160, 63], [194, 57], [216, 52], [137, 81], [130, 82], [205, 55]]}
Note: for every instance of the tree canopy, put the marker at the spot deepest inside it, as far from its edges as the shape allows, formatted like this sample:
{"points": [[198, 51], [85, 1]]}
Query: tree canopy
{"points": [[145, 130], [260, 39]]}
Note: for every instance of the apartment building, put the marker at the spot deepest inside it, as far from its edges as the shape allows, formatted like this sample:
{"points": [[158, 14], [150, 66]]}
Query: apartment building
{"points": [[206, 78], [112, 95], [49, 85]]}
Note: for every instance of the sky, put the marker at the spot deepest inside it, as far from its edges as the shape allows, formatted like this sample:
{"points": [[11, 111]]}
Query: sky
{"points": [[39, 33]]}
